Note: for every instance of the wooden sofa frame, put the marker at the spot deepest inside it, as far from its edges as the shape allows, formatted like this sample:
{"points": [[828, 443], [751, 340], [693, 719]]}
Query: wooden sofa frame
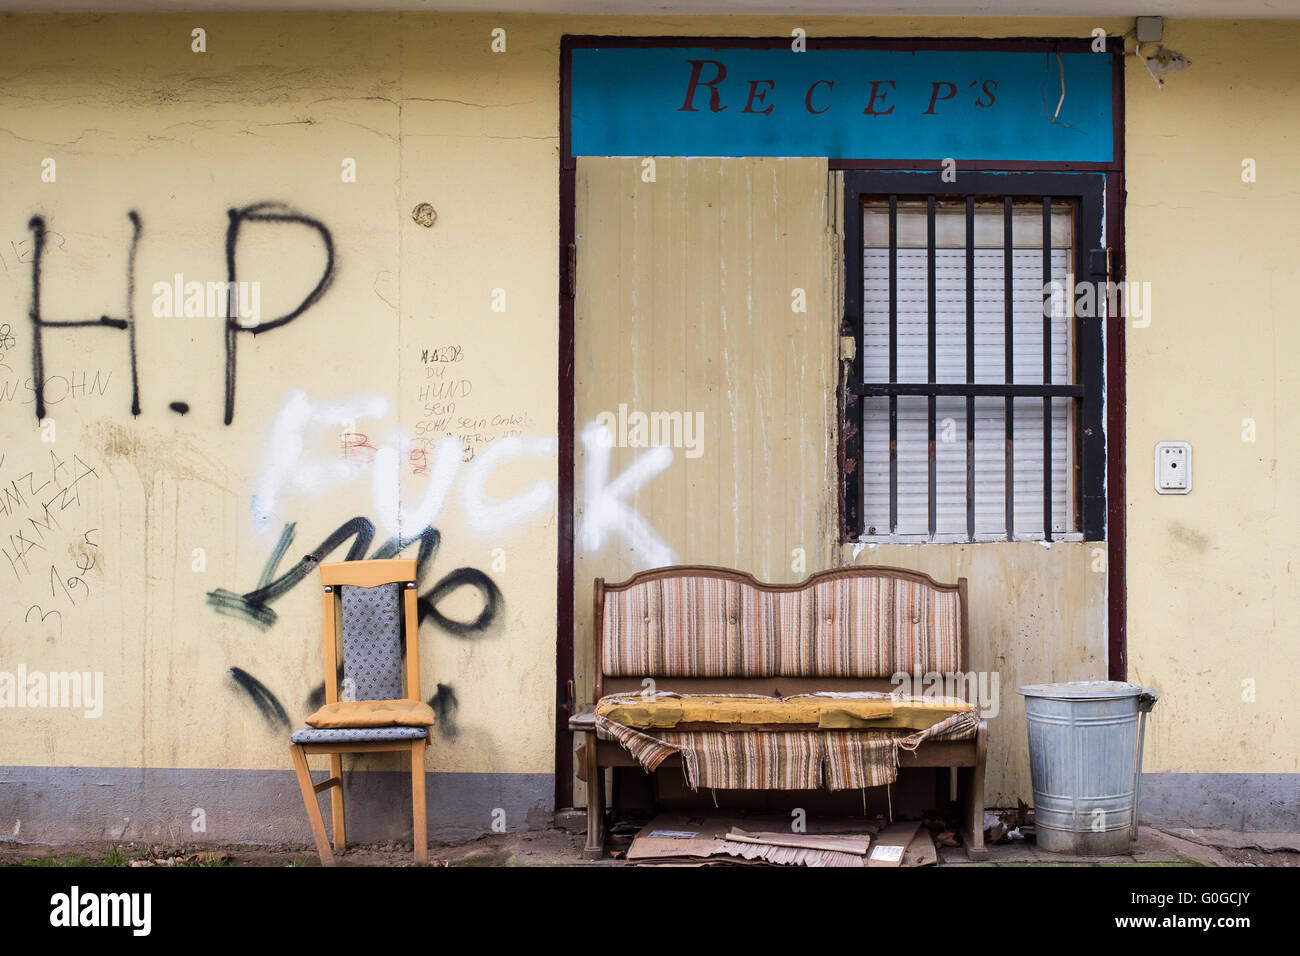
{"points": [[966, 756]]}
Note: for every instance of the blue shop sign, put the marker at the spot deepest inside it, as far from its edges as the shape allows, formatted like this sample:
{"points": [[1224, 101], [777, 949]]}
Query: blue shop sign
{"points": [[842, 104]]}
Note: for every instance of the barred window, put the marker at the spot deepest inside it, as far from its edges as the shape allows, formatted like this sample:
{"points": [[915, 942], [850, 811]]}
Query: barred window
{"points": [[974, 392]]}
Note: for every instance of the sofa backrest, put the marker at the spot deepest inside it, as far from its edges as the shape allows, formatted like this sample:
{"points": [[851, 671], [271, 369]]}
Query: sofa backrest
{"points": [[855, 622]]}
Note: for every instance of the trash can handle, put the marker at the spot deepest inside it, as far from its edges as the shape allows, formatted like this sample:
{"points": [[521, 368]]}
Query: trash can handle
{"points": [[1146, 702]]}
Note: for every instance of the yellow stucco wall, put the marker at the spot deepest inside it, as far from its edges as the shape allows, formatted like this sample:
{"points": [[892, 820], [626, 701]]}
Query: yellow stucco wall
{"points": [[1212, 576], [136, 121]]}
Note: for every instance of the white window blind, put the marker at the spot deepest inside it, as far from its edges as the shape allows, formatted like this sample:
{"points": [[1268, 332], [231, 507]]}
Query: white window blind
{"points": [[912, 316]]}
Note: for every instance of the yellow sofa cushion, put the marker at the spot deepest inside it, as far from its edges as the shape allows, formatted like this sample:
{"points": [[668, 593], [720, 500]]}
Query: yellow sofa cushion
{"points": [[747, 711], [373, 713], [918, 713]]}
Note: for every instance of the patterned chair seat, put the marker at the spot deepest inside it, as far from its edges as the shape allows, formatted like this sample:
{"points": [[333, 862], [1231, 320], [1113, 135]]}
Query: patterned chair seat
{"points": [[313, 735]]}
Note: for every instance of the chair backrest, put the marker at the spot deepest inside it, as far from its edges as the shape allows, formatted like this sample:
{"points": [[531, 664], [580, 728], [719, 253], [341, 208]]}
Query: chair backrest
{"points": [[703, 622], [370, 609]]}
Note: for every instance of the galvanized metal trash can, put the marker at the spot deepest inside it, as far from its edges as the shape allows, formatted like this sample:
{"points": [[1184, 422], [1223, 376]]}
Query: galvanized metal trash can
{"points": [[1085, 755]]}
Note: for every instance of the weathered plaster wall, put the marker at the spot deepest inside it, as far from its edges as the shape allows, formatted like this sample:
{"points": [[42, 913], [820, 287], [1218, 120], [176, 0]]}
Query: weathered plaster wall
{"points": [[133, 541], [137, 122], [1213, 581]]}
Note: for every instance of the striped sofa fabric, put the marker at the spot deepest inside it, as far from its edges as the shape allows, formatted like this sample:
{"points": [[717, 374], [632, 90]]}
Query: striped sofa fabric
{"points": [[700, 625], [793, 760]]}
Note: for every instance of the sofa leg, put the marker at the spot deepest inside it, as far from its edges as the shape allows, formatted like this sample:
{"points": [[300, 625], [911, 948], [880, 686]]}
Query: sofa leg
{"points": [[970, 793], [595, 848]]}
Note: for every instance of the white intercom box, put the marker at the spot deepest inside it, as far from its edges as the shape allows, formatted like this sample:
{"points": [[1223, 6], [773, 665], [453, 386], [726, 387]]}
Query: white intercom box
{"points": [[1173, 467]]}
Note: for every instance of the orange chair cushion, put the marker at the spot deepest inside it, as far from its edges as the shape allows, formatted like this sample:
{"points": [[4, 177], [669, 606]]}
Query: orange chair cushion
{"points": [[373, 713]]}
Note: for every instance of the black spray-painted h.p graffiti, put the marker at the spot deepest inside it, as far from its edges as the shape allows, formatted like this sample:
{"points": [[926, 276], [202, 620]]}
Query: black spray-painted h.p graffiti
{"points": [[262, 212]]}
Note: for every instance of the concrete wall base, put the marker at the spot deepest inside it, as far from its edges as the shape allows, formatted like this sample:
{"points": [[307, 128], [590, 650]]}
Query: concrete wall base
{"points": [[1264, 802], [86, 804]]}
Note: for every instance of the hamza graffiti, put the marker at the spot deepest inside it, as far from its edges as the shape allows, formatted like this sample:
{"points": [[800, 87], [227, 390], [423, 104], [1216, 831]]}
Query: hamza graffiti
{"points": [[263, 213], [254, 605]]}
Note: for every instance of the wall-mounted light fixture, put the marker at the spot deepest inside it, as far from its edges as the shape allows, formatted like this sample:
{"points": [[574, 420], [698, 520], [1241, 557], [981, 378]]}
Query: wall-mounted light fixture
{"points": [[1150, 29], [1162, 60]]}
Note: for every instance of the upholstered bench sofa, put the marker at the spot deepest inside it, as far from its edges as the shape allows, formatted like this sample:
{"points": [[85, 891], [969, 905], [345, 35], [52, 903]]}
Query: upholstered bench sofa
{"points": [[746, 685]]}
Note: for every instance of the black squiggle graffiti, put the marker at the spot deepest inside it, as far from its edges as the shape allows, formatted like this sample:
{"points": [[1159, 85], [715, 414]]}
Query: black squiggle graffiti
{"points": [[461, 577], [266, 702], [444, 706], [254, 605], [316, 699]]}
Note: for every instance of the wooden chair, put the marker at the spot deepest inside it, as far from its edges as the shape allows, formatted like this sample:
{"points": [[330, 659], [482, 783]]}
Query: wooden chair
{"points": [[369, 609]]}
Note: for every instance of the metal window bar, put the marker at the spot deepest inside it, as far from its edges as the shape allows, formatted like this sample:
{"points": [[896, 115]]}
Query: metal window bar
{"points": [[1047, 367], [1008, 332], [931, 330], [893, 364], [1090, 487], [970, 367], [1009, 390], [982, 389]]}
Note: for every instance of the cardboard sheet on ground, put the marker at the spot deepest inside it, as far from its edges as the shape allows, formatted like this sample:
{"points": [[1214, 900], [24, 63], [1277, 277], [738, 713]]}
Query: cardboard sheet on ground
{"points": [[808, 841], [704, 838], [890, 844], [921, 851], [682, 833], [789, 855]]}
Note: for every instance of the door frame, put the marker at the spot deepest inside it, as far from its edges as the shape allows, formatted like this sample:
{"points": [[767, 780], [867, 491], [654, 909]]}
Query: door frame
{"points": [[1116, 636]]}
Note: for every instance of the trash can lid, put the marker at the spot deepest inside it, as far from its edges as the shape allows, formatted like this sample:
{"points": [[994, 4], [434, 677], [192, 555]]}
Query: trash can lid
{"points": [[1082, 690]]}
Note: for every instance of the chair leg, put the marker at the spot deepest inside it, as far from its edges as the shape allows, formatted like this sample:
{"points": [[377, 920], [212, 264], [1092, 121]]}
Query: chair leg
{"points": [[970, 793], [337, 816], [595, 848], [420, 817], [312, 803]]}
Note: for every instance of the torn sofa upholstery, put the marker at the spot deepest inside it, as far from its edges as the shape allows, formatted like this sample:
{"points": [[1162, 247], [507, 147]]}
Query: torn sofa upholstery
{"points": [[790, 759]]}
